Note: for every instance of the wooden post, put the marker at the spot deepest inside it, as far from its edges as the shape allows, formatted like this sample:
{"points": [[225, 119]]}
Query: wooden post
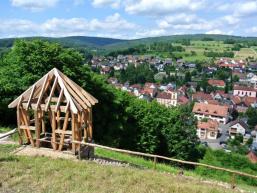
{"points": [[25, 118], [53, 129], [65, 124], [18, 125], [73, 132], [90, 129], [155, 161], [37, 128], [233, 180]]}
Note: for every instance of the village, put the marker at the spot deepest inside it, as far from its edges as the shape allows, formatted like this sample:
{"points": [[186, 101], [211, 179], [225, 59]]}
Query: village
{"points": [[217, 109]]}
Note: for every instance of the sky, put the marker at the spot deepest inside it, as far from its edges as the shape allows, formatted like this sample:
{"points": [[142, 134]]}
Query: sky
{"points": [[126, 19]]}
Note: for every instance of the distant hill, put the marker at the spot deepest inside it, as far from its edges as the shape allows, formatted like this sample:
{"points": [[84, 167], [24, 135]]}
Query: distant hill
{"points": [[71, 41], [110, 43]]}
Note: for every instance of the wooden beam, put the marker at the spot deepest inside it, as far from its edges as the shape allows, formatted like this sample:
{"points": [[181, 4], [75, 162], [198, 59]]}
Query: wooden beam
{"points": [[78, 97], [92, 99], [73, 131], [18, 125], [30, 96], [51, 94], [42, 91], [38, 128], [19, 120], [53, 117], [66, 93], [90, 127], [65, 124], [59, 100], [26, 93]]}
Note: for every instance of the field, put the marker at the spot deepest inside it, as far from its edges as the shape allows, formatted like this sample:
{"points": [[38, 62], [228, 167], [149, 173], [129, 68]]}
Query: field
{"points": [[42, 174], [195, 51], [246, 52]]}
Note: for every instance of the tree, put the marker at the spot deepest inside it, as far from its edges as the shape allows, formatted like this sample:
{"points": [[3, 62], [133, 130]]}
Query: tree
{"points": [[188, 77], [251, 114]]}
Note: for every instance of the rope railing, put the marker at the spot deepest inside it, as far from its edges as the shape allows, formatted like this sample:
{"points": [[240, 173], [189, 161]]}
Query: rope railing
{"points": [[234, 172]]}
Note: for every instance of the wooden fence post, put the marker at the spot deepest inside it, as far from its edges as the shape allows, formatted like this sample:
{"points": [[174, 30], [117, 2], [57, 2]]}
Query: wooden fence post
{"points": [[155, 161], [233, 180]]}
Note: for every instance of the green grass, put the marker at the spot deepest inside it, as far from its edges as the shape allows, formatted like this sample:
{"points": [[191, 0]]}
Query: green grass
{"points": [[42, 174], [4, 129], [14, 137]]}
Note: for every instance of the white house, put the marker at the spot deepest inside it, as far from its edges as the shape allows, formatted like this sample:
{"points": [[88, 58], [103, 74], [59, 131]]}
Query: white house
{"points": [[168, 98], [243, 91], [207, 130], [237, 127]]}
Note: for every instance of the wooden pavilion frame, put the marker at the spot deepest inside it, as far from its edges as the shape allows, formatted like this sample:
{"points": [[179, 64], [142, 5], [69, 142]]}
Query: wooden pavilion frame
{"points": [[56, 110]]}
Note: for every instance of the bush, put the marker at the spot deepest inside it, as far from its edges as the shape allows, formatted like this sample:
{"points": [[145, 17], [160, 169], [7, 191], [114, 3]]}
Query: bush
{"points": [[227, 160]]}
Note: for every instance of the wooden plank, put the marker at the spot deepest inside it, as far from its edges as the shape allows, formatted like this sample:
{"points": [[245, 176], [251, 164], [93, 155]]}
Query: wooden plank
{"points": [[67, 132], [59, 100], [30, 97], [65, 124], [31, 128], [42, 91], [51, 94]]}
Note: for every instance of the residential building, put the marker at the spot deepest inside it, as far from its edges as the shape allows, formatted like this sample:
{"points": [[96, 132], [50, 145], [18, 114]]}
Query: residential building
{"points": [[208, 129], [243, 91], [217, 83], [168, 98], [237, 127], [211, 111]]}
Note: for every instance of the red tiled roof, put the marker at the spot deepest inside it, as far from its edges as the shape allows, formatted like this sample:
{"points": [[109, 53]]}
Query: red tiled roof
{"points": [[213, 102], [163, 95], [210, 109], [182, 100], [216, 82], [201, 96], [252, 157], [209, 125], [244, 88], [246, 100]]}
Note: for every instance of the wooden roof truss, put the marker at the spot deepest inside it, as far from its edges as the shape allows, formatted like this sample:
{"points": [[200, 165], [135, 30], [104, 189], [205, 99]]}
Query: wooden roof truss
{"points": [[56, 110]]}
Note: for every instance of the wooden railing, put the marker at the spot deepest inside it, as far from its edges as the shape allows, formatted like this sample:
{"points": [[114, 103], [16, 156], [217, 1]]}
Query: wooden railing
{"points": [[233, 172]]}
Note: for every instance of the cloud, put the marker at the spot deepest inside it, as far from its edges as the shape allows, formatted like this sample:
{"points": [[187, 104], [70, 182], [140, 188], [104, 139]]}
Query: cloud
{"points": [[239, 9], [112, 3], [151, 33], [27, 27], [34, 5], [218, 31], [161, 7], [55, 27]]}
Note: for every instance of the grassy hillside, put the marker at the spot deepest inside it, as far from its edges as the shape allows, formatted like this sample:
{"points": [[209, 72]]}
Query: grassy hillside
{"points": [[42, 174]]}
